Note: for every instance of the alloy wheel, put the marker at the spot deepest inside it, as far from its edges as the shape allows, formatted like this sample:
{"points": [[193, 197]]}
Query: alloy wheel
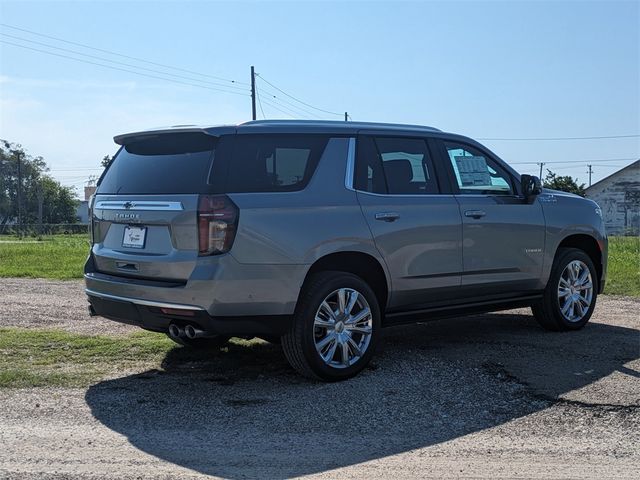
{"points": [[343, 325], [575, 291]]}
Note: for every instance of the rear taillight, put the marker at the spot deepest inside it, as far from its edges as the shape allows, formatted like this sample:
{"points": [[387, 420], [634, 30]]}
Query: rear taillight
{"points": [[90, 215], [217, 224]]}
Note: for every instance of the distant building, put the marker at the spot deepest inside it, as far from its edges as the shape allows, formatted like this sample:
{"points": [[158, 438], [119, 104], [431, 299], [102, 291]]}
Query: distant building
{"points": [[88, 191], [82, 210], [618, 195]]}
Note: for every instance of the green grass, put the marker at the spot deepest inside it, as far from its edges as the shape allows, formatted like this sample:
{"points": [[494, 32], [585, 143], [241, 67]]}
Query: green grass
{"points": [[37, 358], [56, 358], [59, 257], [623, 276], [62, 257]]}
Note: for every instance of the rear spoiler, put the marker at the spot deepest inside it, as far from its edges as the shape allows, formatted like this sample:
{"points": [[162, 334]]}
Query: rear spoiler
{"points": [[216, 131]]}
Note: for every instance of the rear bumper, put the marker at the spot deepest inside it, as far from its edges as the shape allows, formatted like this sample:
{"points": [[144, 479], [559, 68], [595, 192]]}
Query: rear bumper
{"points": [[157, 316], [219, 285]]}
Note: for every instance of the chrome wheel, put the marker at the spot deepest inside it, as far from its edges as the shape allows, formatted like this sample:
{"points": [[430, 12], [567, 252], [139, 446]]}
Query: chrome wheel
{"points": [[342, 328], [575, 291]]}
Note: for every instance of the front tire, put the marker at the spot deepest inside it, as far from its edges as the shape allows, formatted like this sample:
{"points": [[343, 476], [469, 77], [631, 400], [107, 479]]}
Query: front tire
{"points": [[570, 296], [335, 329]]}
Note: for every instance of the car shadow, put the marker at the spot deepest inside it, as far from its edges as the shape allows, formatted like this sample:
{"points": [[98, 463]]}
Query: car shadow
{"points": [[243, 413]]}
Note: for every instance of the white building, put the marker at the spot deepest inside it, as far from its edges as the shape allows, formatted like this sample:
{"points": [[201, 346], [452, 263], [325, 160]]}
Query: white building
{"points": [[618, 195], [82, 210]]}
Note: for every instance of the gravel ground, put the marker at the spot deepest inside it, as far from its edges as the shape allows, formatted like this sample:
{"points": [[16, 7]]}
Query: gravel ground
{"points": [[490, 396], [37, 303]]}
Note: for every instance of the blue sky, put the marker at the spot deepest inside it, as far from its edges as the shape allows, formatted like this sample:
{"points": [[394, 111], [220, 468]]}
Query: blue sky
{"points": [[485, 69]]}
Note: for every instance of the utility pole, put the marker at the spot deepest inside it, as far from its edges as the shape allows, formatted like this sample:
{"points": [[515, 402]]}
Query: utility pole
{"points": [[253, 93], [542, 164], [19, 195], [346, 117], [590, 171], [40, 195]]}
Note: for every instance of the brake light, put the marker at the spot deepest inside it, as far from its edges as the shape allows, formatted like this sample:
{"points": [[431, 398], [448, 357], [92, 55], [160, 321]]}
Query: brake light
{"points": [[90, 214], [217, 224]]}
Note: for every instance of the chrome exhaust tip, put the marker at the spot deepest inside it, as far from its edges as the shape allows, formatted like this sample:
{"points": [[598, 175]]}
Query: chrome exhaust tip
{"points": [[175, 331], [192, 332]]}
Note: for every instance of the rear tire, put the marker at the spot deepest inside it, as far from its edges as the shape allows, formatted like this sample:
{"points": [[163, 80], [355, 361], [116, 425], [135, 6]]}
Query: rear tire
{"points": [[336, 327], [570, 296], [208, 343]]}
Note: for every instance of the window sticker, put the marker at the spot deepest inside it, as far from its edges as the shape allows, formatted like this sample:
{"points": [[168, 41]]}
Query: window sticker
{"points": [[473, 171]]}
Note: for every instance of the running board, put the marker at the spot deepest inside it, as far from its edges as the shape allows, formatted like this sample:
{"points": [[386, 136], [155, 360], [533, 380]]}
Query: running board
{"points": [[427, 314]]}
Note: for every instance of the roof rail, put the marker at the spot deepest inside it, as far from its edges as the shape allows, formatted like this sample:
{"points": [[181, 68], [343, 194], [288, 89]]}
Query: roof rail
{"points": [[339, 123]]}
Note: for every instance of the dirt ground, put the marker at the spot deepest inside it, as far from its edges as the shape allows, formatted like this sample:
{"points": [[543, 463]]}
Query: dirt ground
{"points": [[489, 396]]}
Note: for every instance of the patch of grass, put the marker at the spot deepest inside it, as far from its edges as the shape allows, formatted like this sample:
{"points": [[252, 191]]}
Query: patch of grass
{"points": [[55, 358], [59, 257], [37, 358], [623, 276]]}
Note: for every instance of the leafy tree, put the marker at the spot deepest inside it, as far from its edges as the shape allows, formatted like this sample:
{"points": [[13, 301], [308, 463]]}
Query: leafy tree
{"points": [[106, 161], [564, 183], [58, 201]]}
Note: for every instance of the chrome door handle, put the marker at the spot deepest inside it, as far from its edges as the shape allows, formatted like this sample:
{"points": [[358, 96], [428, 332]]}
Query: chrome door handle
{"points": [[387, 216], [475, 213]]}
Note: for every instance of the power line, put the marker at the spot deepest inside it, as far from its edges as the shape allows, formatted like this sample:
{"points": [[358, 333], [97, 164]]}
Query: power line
{"points": [[297, 99], [260, 103], [123, 69], [575, 161], [277, 98], [122, 55], [280, 108], [74, 169], [75, 52], [560, 138]]}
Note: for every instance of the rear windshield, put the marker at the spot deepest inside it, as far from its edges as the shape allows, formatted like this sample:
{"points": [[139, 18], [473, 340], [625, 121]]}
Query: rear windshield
{"points": [[161, 164]]}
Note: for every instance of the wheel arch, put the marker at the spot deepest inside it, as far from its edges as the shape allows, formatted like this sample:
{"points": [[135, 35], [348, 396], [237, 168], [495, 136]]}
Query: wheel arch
{"points": [[362, 264], [587, 244]]}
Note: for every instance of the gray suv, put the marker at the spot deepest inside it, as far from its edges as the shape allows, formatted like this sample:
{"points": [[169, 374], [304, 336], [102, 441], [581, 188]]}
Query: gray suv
{"points": [[318, 234]]}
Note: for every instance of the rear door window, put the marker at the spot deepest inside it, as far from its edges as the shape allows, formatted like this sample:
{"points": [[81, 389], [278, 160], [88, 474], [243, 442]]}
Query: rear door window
{"points": [[273, 163], [175, 163], [395, 165]]}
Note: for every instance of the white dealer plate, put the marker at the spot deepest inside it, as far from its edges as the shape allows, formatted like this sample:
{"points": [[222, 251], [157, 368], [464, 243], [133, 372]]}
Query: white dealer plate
{"points": [[134, 237]]}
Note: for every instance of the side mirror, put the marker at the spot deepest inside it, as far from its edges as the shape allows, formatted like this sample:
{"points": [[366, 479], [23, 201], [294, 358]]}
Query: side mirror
{"points": [[531, 186]]}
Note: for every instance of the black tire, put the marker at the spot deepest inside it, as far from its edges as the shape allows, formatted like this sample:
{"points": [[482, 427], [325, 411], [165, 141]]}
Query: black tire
{"points": [[209, 343], [299, 343], [548, 311]]}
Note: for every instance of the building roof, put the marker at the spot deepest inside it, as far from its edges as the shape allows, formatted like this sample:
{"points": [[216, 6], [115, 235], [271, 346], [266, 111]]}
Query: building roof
{"points": [[635, 164]]}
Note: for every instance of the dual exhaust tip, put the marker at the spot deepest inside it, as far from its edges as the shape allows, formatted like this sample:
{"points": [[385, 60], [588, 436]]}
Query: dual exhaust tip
{"points": [[188, 331]]}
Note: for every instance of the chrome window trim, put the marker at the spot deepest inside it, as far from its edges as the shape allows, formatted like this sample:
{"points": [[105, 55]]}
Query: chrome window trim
{"points": [[138, 205], [137, 301], [407, 195], [488, 195], [351, 162]]}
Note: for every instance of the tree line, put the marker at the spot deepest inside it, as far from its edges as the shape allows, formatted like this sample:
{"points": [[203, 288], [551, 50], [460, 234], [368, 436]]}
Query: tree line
{"points": [[28, 194]]}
